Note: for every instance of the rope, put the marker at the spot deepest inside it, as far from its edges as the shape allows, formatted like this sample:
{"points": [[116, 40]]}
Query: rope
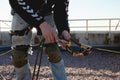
{"points": [[39, 48], [7, 52], [106, 50], [40, 60], [2, 54]]}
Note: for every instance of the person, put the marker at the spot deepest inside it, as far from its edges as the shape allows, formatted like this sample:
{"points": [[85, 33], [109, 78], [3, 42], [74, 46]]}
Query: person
{"points": [[50, 18]]}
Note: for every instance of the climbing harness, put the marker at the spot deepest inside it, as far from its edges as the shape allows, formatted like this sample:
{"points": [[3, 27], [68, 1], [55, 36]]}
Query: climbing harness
{"points": [[22, 32]]}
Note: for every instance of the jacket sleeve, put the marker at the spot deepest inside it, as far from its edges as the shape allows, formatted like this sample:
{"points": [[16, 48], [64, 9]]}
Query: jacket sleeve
{"points": [[60, 15], [25, 11]]}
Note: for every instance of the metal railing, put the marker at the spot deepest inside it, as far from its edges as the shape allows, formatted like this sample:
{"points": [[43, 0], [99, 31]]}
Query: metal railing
{"points": [[5, 25], [105, 24]]}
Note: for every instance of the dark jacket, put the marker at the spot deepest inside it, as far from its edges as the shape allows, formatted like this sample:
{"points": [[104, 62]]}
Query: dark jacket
{"points": [[33, 11]]}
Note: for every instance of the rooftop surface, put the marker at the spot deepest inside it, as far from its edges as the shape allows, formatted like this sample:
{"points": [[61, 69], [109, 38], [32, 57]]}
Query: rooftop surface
{"points": [[98, 65]]}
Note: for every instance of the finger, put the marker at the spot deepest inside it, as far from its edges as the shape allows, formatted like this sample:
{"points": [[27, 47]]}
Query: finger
{"points": [[66, 37], [56, 37], [49, 38]]}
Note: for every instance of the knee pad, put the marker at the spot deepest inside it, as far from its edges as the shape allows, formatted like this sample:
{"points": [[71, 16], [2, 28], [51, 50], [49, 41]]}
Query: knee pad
{"points": [[19, 56], [53, 52]]}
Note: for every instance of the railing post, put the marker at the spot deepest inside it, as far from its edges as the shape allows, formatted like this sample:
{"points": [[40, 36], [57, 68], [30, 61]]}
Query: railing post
{"points": [[0, 34], [109, 33], [86, 25], [86, 34], [109, 28]]}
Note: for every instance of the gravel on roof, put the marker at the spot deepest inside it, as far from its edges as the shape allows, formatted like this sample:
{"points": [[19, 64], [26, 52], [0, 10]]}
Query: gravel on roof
{"points": [[96, 66]]}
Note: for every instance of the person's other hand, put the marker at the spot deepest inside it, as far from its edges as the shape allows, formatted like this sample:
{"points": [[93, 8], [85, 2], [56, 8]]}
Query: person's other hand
{"points": [[48, 32], [65, 35]]}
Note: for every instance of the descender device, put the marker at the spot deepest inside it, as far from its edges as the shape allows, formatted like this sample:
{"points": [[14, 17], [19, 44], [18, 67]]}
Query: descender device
{"points": [[77, 49]]}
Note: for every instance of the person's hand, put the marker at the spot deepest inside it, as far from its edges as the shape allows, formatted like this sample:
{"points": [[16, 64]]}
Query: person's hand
{"points": [[48, 32], [66, 36]]}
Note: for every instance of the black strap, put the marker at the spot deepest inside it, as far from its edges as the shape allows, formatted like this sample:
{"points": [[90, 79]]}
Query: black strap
{"points": [[21, 32]]}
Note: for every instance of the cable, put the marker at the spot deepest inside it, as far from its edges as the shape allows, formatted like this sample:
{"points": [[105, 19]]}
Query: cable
{"points": [[106, 50], [2, 54]]}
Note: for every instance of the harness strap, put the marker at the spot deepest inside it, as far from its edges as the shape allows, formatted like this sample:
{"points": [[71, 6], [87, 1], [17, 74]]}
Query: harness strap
{"points": [[22, 32]]}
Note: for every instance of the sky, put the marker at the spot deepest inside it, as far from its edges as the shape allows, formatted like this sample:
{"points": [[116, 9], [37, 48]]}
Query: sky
{"points": [[4, 10], [84, 9], [78, 9]]}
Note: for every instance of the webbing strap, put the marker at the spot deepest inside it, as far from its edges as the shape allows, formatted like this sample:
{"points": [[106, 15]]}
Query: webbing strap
{"points": [[21, 32]]}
